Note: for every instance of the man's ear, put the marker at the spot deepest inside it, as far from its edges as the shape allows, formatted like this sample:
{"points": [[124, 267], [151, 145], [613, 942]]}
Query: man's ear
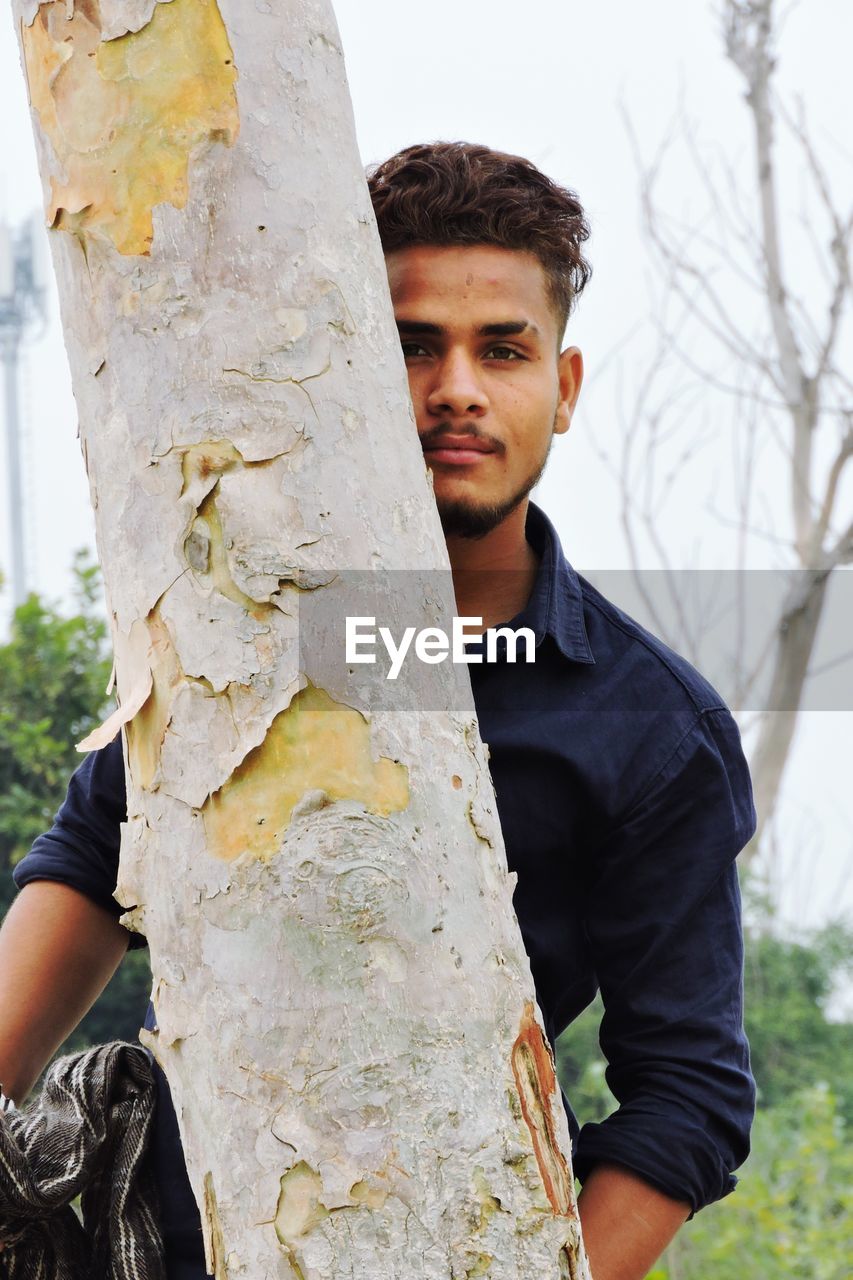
{"points": [[570, 372]]}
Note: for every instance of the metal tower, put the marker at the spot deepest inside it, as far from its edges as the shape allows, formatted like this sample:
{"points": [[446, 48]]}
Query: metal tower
{"points": [[22, 308]]}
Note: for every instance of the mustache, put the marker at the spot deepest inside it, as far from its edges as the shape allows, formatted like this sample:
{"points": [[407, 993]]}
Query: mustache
{"points": [[433, 438]]}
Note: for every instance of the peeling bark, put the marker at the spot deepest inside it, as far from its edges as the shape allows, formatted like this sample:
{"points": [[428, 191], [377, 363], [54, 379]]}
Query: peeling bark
{"points": [[345, 1009], [535, 1079], [123, 101], [316, 747]]}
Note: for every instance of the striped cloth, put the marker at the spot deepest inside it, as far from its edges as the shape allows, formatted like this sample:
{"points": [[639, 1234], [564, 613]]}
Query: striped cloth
{"points": [[86, 1135]]}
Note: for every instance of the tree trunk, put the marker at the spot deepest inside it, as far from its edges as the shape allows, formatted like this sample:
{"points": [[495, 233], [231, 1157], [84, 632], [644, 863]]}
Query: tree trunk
{"points": [[795, 642], [345, 1008]]}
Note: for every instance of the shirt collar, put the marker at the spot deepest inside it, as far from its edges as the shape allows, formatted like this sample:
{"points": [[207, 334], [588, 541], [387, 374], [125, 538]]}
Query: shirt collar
{"points": [[555, 607]]}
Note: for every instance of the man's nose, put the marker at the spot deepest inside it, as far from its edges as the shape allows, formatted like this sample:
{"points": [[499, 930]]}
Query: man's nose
{"points": [[458, 387]]}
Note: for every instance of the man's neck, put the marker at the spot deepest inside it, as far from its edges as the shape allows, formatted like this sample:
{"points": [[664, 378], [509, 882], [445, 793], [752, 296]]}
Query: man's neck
{"points": [[493, 576]]}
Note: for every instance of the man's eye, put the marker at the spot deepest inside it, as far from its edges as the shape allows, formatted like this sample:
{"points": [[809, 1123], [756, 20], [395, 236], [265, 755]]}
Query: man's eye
{"points": [[503, 353], [412, 349]]}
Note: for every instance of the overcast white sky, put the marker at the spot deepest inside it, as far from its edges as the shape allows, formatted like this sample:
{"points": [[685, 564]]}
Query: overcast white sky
{"points": [[549, 79]]}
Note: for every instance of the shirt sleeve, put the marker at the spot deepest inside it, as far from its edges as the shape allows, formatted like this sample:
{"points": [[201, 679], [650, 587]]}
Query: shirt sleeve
{"points": [[81, 849], [664, 925]]}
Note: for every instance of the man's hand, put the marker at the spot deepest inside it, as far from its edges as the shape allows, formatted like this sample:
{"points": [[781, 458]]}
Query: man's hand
{"points": [[626, 1223], [58, 951]]}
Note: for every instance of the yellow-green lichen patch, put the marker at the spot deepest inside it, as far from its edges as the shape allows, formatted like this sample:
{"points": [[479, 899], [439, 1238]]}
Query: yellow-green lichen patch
{"points": [[315, 744], [299, 1208], [487, 1204], [123, 116], [207, 554], [147, 729], [362, 1193], [214, 1244], [206, 544], [203, 464]]}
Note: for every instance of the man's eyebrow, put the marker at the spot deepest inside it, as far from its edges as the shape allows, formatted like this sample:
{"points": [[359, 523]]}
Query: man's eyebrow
{"points": [[499, 329], [419, 326], [508, 328]]}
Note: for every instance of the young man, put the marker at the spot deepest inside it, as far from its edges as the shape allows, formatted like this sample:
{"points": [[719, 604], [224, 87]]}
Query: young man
{"points": [[622, 789]]}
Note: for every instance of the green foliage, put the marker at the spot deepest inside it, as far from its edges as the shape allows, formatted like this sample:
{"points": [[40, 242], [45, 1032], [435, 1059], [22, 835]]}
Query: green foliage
{"points": [[788, 985], [790, 1214], [53, 673], [793, 1043], [581, 1064]]}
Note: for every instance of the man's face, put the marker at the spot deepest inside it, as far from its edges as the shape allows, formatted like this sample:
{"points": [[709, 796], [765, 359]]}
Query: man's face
{"points": [[489, 387]]}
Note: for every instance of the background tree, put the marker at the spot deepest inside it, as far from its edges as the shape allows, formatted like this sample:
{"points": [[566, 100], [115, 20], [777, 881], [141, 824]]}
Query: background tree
{"points": [[750, 344], [752, 312]]}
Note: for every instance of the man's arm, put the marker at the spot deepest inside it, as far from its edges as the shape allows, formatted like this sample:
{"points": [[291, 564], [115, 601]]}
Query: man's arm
{"points": [[663, 920], [58, 950], [626, 1223], [61, 941]]}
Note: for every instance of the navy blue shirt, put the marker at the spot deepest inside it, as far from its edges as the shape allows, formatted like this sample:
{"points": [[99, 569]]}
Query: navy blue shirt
{"points": [[624, 799]]}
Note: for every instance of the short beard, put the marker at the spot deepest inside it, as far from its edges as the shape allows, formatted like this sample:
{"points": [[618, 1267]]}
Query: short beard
{"points": [[463, 519]]}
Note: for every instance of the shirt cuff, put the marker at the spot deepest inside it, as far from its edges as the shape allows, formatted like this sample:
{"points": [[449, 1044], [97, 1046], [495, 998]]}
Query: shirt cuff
{"points": [[675, 1155]]}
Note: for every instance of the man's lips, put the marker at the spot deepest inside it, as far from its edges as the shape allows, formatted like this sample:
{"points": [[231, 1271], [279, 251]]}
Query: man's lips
{"points": [[458, 451]]}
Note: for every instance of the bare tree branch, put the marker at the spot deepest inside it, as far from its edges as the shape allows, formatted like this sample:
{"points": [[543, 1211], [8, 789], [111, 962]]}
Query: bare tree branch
{"points": [[839, 245], [839, 464], [784, 366], [749, 43]]}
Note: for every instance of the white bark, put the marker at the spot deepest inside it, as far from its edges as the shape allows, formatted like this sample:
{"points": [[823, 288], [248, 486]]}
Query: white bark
{"points": [[346, 1013]]}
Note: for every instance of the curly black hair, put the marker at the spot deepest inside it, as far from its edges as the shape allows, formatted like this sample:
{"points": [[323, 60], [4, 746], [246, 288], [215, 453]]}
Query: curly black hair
{"points": [[459, 193]]}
